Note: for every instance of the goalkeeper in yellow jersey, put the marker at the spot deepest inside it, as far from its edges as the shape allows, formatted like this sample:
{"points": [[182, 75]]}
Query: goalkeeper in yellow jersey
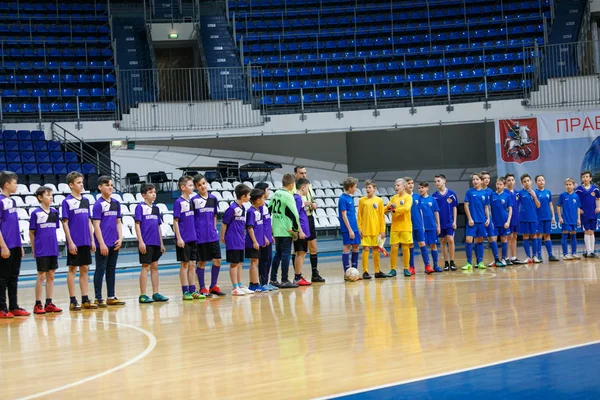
{"points": [[371, 224], [401, 232]]}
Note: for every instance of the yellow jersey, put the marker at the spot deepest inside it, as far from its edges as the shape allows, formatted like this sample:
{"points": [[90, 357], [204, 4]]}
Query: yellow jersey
{"points": [[401, 219], [371, 221]]}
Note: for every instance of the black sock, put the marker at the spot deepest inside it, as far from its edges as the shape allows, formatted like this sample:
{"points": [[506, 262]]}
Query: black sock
{"points": [[446, 264], [73, 299], [48, 301], [298, 276], [38, 303], [85, 299], [314, 260], [451, 262]]}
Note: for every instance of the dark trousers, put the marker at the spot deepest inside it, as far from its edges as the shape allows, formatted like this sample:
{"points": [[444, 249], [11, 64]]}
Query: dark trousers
{"points": [[264, 264], [283, 250], [105, 264], [9, 278]]}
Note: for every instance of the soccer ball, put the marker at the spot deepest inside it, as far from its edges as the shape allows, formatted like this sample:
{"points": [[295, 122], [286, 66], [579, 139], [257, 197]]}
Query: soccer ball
{"points": [[352, 274]]}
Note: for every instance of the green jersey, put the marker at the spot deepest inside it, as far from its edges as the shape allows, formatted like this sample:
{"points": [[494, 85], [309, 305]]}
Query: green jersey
{"points": [[284, 215]]}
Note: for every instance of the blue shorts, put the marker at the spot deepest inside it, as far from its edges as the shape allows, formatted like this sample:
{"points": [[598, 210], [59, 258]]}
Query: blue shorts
{"points": [[418, 236], [545, 227], [490, 229], [347, 241], [477, 230], [568, 228], [430, 238], [589, 224], [446, 232], [500, 231], [528, 228]]}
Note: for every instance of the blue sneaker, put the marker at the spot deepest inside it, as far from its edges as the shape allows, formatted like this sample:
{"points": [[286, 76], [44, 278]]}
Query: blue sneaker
{"points": [[265, 288], [253, 287], [272, 288], [256, 288], [437, 269]]}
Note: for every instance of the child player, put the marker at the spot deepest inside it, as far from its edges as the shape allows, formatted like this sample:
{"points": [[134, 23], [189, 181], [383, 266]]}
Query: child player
{"points": [[528, 222], [569, 217], [418, 230], [546, 220], [478, 217], [106, 215], [255, 237], [589, 197], [431, 222], [448, 205], [514, 221], [266, 252], [185, 238], [371, 225], [301, 245], [43, 223], [233, 236], [79, 232], [401, 232], [150, 243], [348, 224], [207, 237], [502, 209], [490, 230]]}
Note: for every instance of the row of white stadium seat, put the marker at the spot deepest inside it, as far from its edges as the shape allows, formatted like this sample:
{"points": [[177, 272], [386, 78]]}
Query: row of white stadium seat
{"points": [[325, 184], [336, 193], [23, 190]]}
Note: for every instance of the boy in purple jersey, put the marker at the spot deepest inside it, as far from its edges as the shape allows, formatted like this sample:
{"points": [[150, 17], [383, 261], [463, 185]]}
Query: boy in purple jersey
{"points": [[589, 196], [43, 223], [106, 216], [490, 229], [514, 221], [11, 250], [185, 238], [79, 232], [569, 217], [448, 205], [545, 220], [266, 252], [255, 237], [150, 242], [207, 237], [233, 236], [301, 245]]}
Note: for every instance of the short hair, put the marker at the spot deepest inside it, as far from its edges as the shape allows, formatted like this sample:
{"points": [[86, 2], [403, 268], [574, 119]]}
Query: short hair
{"points": [[104, 180], [197, 178], [241, 190], [146, 187], [72, 176], [370, 182], [424, 184], [183, 181], [525, 176], [501, 179], [400, 180], [509, 175], [298, 167], [41, 191], [350, 182], [287, 180], [262, 186], [301, 182], [7, 177], [484, 173], [570, 180], [538, 176], [586, 173], [256, 194], [477, 175], [408, 179], [442, 176]]}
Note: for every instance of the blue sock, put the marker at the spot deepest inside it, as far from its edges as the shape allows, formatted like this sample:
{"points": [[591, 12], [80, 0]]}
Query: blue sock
{"points": [[185, 289], [355, 259], [538, 246], [494, 246], [236, 285], [192, 288], [504, 250], [412, 257], [424, 254], [434, 256], [469, 251], [346, 261], [573, 244], [563, 242], [527, 247], [549, 247], [479, 252]]}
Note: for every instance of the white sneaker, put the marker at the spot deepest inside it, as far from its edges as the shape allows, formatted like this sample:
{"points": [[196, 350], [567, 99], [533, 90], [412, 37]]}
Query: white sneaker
{"points": [[567, 257], [237, 292], [492, 264], [576, 256], [246, 290], [536, 260], [528, 260]]}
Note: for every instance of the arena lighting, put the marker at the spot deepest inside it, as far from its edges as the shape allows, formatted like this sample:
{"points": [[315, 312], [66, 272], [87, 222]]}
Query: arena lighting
{"points": [[116, 143], [173, 35]]}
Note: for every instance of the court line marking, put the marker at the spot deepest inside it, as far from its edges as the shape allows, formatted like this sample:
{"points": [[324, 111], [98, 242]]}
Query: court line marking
{"points": [[458, 371], [148, 350]]}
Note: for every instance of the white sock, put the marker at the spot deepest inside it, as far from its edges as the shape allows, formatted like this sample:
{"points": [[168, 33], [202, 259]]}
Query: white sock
{"points": [[592, 243], [586, 242]]}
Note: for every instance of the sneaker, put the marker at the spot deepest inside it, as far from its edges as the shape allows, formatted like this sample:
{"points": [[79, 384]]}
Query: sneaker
{"points": [[237, 292], [537, 260], [159, 298], [88, 305], [256, 288], [553, 259], [39, 309], [508, 261], [585, 255], [316, 278], [492, 264], [246, 290], [528, 260], [428, 269], [19, 312], [205, 292], [5, 314], [51, 308], [197, 296], [265, 288], [272, 287], [592, 255], [380, 275], [481, 265], [287, 285], [407, 273], [216, 291], [275, 284], [392, 273], [74, 307], [467, 267], [453, 266], [366, 275], [516, 261], [437, 269], [144, 299], [411, 270], [302, 282], [500, 264], [446, 267], [567, 257], [115, 302], [99, 304], [575, 257], [187, 296]]}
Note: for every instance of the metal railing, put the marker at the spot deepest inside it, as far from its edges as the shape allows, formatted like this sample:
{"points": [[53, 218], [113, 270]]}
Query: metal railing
{"points": [[182, 11]]}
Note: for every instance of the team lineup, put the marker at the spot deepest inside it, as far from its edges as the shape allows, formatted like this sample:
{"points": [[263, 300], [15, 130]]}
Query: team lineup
{"points": [[251, 228]]}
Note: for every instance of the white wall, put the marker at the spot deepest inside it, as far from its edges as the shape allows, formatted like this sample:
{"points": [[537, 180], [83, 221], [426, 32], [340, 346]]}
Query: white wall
{"points": [[160, 32]]}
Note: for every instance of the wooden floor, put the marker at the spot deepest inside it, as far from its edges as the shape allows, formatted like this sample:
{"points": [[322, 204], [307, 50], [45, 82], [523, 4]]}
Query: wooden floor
{"points": [[301, 343]]}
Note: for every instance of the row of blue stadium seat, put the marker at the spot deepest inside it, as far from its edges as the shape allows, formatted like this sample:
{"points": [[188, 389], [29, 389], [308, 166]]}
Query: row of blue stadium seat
{"points": [[43, 169], [29, 145], [57, 78], [11, 66], [51, 40], [53, 7], [54, 29], [81, 92], [57, 107], [40, 156], [22, 135], [67, 52], [26, 17]]}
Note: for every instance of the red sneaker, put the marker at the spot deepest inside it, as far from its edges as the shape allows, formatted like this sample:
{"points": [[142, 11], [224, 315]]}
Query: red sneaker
{"points": [[5, 314], [39, 309], [51, 308], [429, 270], [20, 312], [412, 270], [204, 291], [216, 291], [302, 282]]}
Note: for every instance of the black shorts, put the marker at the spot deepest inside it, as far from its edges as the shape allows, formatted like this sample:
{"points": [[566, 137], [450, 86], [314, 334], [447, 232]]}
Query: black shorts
{"points": [[152, 255], [209, 251], [252, 253], [311, 226], [235, 256], [187, 253], [46, 263], [301, 245], [83, 257]]}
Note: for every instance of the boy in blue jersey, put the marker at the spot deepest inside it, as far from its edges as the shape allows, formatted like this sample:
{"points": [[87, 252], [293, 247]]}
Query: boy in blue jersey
{"points": [[528, 221], [569, 217], [589, 197], [418, 230], [448, 205], [431, 222], [491, 231], [478, 218], [546, 220], [502, 209], [514, 221], [348, 225]]}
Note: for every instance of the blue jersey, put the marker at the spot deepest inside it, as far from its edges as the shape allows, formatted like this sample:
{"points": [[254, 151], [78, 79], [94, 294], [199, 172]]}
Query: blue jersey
{"points": [[415, 213], [429, 207], [527, 208], [477, 201], [346, 203], [516, 201], [446, 204], [545, 198], [587, 199], [499, 205], [569, 206]]}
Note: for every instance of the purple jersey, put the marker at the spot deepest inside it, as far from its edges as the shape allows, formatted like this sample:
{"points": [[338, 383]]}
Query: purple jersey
{"points": [[235, 219], [77, 213], [150, 219], [45, 224], [587, 198], [183, 212], [9, 222], [107, 212], [302, 215], [446, 203], [254, 219], [205, 210], [267, 222]]}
